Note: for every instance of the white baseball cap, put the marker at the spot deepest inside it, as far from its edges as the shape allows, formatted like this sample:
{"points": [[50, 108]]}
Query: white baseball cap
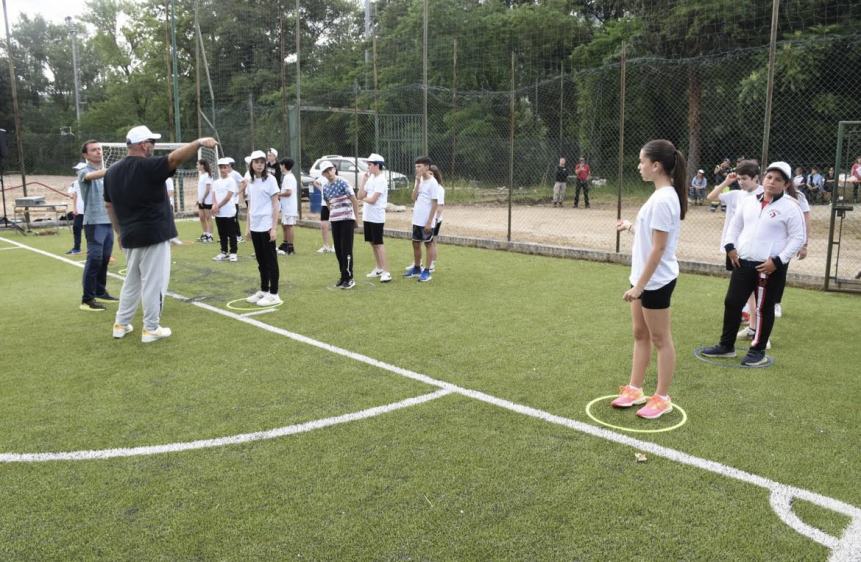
{"points": [[79, 166], [325, 165], [254, 156], [225, 161], [701, 171], [229, 160], [273, 151], [782, 167], [376, 158], [139, 134]]}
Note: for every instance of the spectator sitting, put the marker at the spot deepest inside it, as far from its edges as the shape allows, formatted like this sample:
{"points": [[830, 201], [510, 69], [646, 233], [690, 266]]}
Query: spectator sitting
{"points": [[815, 186], [830, 184], [697, 191]]}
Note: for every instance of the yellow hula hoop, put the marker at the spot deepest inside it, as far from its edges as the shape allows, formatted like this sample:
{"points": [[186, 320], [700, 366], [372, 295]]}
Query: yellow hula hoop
{"points": [[630, 429], [242, 308]]}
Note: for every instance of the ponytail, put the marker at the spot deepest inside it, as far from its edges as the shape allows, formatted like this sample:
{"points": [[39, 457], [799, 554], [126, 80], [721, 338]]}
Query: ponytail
{"points": [[680, 180]]}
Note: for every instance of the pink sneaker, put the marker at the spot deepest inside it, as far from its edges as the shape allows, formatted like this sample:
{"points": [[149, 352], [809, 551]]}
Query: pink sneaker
{"points": [[655, 408], [629, 396]]}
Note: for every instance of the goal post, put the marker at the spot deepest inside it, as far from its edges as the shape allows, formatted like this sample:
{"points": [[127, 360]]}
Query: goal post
{"points": [[185, 178]]}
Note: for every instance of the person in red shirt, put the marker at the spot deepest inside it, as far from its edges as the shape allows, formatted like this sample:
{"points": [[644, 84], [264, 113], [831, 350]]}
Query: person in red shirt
{"points": [[584, 174]]}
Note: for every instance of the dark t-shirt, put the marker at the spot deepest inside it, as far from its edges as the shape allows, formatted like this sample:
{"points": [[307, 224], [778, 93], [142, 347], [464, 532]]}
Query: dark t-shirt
{"points": [[275, 170], [135, 188], [562, 173]]}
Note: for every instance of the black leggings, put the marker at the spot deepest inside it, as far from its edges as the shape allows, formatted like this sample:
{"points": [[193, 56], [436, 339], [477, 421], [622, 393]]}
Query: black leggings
{"points": [[342, 238], [744, 281], [267, 261], [226, 233]]}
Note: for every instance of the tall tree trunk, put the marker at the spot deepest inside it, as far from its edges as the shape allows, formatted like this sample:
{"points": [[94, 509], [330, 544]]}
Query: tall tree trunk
{"points": [[695, 98]]}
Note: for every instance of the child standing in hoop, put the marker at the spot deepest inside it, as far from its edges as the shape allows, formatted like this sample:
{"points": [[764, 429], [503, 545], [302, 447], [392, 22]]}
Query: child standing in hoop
{"points": [[262, 198], [654, 270]]}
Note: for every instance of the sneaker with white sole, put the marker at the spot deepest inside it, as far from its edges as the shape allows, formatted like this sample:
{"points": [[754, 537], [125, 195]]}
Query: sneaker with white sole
{"points": [[348, 284], [269, 300], [220, 257], [778, 310], [281, 252], [754, 358], [385, 277], [232, 257], [656, 407], [414, 271], [746, 333], [376, 272], [629, 396], [323, 250], [425, 276], [718, 351], [256, 297], [120, 330], [158, 334]]}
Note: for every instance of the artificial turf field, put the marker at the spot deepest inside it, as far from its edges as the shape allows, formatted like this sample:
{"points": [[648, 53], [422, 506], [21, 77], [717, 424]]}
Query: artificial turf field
{"points": [[438, 421]]}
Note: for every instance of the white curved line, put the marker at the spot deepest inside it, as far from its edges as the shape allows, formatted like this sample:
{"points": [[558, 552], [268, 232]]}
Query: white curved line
{"points": [[222, 441], [781, 503], [849, 547]]}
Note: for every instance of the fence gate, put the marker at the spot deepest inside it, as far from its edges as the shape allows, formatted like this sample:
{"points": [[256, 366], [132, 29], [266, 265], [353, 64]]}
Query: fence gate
{"points": [[843, 263]]}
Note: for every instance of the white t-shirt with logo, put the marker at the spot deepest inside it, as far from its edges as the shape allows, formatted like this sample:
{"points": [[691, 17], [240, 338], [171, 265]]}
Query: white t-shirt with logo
{"points": [[201, 189], [376, 212], [428, 192], [289, 205], [220, 188], [259, 196], [79, 201], [661, 212]]}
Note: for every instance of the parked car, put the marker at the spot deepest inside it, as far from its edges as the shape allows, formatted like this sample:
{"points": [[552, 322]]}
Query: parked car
{"points": [[347, 170]]}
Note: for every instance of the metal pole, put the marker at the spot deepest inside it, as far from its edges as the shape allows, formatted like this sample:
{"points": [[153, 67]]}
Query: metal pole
{"points": [[74, 34], [453, 107], [284, 97], [623, 71], [425, 78], [772, 53], [561, 99], [197, 81], [356, 135], [377, 103], [251, 119], [169, 67], [176, 116], [19, 129], [299, 106], [510, 146]]}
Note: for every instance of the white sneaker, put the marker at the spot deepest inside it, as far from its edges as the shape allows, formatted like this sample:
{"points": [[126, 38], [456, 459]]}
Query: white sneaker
{"points": [[374, 273], [269, 300], [778, 311], [432, 267], [232, 257], [280, 252], [746, 334], [159, 333], [331, 249], [176, 241], [385, 277], [323, 250], [239, 240], [256, 297], [121, 330], [220, 257]]}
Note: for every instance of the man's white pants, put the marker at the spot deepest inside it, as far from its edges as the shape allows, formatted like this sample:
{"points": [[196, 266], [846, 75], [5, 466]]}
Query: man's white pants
{"points": [[146, 281]]}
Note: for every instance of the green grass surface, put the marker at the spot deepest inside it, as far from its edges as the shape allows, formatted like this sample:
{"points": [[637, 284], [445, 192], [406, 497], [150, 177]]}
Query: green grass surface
{"points": [[450, 479]]}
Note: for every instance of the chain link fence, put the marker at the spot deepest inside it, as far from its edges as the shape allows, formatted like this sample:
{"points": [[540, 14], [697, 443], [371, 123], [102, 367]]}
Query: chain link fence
{"points": [[512, 88]]}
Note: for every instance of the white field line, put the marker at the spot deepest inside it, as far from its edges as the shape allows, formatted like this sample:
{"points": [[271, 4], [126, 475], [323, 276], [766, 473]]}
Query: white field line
{"points": [[848, 543], [222, 441], [12, 248], [259, 312]]}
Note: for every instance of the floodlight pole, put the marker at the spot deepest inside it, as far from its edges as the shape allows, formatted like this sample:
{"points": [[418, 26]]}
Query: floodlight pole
{"points": [[425, 16], [74, 35], [19, 130], [175, 71], [772, 49]]}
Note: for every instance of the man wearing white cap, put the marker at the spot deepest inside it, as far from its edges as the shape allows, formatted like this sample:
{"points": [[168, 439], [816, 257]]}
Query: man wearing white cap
{"points": [[374, 193], [766, 232], [138, 205]]}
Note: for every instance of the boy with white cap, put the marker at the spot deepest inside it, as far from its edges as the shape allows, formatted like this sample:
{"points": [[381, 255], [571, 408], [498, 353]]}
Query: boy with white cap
{"points": [[374, 193], [766, 232]]}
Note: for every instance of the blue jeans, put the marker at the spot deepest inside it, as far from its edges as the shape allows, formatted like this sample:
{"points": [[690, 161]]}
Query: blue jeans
{"points": [[100, 244]]}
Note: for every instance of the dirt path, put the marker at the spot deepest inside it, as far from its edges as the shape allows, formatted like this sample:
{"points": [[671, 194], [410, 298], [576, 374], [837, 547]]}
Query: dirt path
{"points": [[581, 228]]}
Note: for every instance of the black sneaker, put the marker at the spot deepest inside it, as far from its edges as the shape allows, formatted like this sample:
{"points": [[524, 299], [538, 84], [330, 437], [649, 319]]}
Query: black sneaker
{"points": [[106, 298], [348, 284], [91, 306], [718, 351], [339, 284], [754, 358]]}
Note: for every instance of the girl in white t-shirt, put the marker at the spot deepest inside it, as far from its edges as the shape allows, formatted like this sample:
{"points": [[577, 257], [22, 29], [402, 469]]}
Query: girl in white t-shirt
{"points": [[204, 199], [654, 269], [262, 200], [440, 204]]}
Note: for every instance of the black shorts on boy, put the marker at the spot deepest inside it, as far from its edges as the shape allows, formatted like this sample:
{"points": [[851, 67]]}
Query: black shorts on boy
{"points": [[420, 235], [373, 233]]}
